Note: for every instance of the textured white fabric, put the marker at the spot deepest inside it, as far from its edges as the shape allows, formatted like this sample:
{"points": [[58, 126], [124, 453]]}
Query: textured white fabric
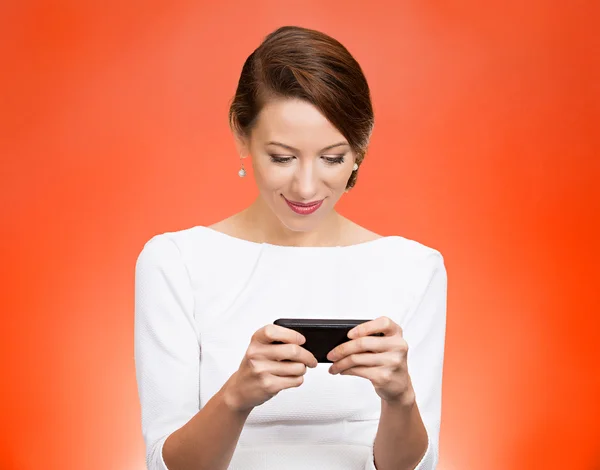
{"points": [[199, 297]]}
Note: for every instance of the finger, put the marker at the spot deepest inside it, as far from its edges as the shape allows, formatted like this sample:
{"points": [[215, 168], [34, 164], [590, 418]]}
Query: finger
{"points": [[286, 369], [262, 367], [290, 352], [271, 333], [291, 382], [361, 345], [389, 358], [383, 325], [369, 373]]}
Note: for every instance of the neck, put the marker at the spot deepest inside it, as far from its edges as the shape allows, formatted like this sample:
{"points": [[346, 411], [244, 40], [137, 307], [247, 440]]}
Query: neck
{"points": [[264, 227]]}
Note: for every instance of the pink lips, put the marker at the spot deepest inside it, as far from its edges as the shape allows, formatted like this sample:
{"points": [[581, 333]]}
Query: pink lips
{"points": [[304, 208]]}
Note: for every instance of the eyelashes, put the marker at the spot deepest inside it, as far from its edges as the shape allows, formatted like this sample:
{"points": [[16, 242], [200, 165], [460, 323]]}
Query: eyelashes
{"points": [[334, 160], [278, 159]]}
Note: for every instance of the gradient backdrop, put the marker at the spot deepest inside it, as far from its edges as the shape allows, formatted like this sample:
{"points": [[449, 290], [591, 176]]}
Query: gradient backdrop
{"points": [[113, 128]]}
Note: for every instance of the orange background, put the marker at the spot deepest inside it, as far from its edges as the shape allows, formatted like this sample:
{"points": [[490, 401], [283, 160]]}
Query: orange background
{"points": [[113, 128]]}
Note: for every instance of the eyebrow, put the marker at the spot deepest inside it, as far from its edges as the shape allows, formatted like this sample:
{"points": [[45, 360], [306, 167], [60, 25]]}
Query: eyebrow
{"points": [[289, 147]]}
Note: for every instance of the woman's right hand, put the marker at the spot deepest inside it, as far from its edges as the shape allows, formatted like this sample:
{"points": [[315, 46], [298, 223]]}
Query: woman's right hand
{"points": [[268, 368]]}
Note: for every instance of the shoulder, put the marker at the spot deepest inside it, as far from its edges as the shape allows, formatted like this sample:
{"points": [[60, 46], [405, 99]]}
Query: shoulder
{"points": [[423, 269], [415, 258], [403, 253], [396, 258], [410, 263], [202, 251], [171, 242], [412, 249], [188, 246]]}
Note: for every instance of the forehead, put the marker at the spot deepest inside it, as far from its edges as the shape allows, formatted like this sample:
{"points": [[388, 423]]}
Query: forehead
{"points": [[297, 123]]}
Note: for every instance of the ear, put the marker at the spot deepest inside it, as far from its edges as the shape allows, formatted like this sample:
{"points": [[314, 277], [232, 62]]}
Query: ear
{"points": [[242, 145]]}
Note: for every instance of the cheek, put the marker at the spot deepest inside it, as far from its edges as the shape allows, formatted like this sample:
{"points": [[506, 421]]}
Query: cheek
{"points": [[337, 180], [270, 177]]}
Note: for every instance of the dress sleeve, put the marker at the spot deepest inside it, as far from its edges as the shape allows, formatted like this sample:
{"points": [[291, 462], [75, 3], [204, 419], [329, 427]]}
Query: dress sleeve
{"points": [[166, 345], [424, 332]]}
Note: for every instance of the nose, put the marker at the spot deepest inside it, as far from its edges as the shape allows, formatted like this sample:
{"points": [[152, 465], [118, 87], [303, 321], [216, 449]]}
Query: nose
{"points": [[306, 181]]}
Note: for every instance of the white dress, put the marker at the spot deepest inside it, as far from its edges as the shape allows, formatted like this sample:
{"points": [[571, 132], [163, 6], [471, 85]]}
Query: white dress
{"points": [[199, 297]]}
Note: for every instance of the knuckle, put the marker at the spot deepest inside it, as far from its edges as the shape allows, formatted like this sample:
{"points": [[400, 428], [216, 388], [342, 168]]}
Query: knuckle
{"points": [[386, 375], [398, 359], [379, 382], [387, 322], [295, 350], [269, 332], [266, 382], [265, 379], [252, 351]]}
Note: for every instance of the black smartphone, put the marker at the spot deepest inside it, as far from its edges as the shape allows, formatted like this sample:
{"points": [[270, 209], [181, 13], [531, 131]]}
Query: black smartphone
{"points": [[321, 335]]}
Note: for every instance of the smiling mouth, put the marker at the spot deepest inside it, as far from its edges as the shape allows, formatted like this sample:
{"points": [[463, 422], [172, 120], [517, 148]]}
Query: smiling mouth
{"points": [[303, 208]]}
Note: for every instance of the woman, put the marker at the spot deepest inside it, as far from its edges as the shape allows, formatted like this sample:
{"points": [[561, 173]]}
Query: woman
{"points": [[215, 390]]}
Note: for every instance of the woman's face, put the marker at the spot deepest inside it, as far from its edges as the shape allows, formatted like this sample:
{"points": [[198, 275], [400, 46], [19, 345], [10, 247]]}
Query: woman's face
{"points": [[301, 162]]}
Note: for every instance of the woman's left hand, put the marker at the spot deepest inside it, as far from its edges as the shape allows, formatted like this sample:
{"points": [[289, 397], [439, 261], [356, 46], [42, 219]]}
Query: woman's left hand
{"points": [[381, 359]]}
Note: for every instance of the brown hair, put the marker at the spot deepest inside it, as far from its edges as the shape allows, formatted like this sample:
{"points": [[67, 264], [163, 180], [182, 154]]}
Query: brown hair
{"points": [[295, 62]]}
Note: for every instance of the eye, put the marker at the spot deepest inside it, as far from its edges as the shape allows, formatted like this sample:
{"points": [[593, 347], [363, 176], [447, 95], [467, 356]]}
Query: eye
{"points": [[280, 158], [334, 160]]}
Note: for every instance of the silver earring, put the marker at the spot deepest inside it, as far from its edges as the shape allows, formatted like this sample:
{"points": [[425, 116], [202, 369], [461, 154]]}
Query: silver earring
{"points": [[242, 171], [355, 167]]}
